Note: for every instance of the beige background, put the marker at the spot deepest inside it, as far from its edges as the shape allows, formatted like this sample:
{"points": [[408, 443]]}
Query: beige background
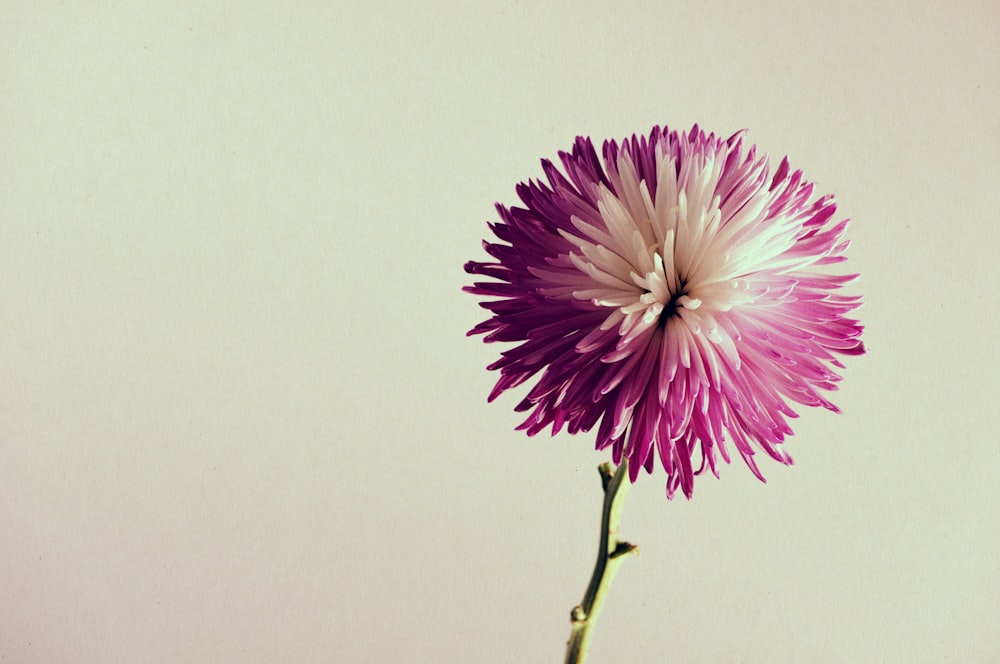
{"points": [[239, 420]]}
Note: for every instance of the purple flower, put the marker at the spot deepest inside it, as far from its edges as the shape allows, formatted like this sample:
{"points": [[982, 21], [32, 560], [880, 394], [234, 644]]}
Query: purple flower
{"points": [[672, 293]]}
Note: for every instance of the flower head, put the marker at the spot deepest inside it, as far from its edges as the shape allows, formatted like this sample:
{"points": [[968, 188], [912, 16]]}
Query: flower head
{"points": [[670, 292]]}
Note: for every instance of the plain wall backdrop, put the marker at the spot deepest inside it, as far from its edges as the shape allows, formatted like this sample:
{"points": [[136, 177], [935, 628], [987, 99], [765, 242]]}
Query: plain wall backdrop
{"points": [[240, 420]]}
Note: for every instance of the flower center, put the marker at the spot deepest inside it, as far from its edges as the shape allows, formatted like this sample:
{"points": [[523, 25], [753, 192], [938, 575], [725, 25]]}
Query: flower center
{"points": [[663, 293], [670, 307]]}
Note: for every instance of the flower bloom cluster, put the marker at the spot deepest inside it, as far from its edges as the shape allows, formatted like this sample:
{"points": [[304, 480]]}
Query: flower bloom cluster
{"points": [[667, 292]]}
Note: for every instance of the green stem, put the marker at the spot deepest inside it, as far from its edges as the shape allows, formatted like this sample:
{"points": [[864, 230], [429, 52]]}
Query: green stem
{"points": [[609, 556]]}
